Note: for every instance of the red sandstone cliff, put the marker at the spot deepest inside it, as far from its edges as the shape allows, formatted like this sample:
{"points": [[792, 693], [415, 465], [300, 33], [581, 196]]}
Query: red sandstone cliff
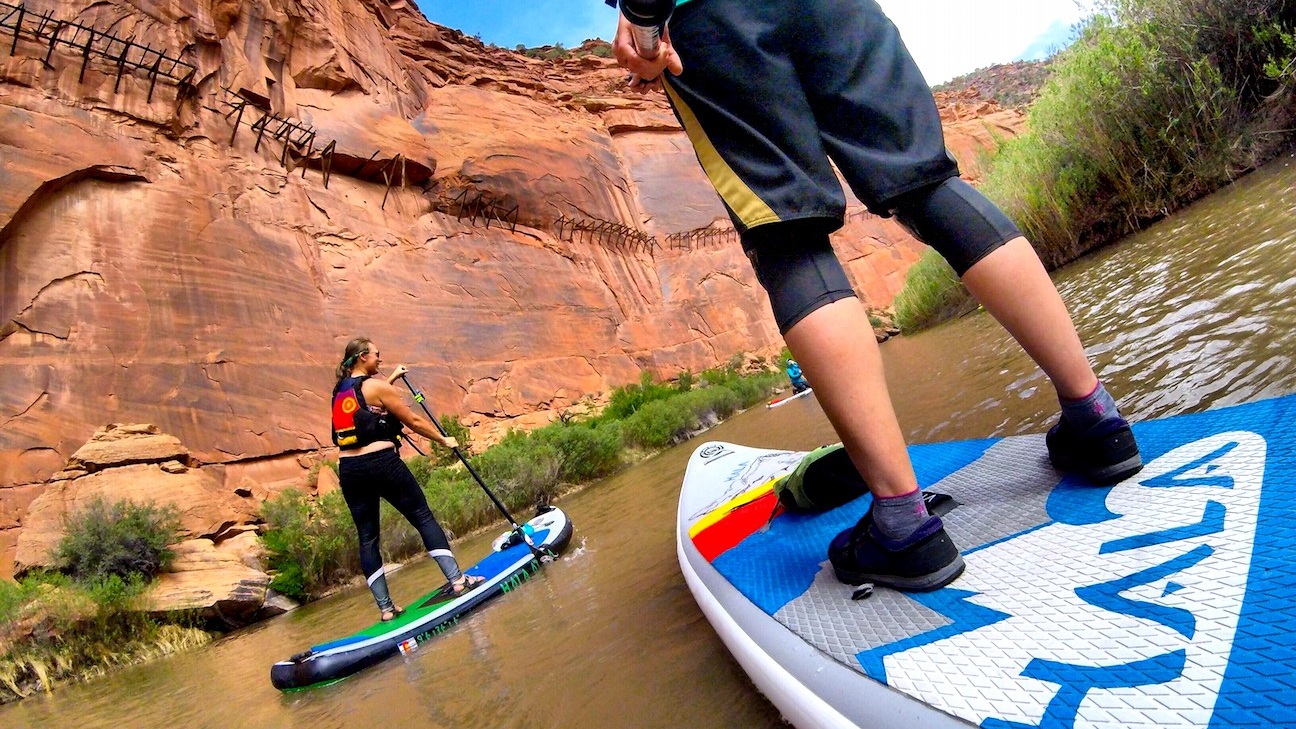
{"points": [[192, 227]]}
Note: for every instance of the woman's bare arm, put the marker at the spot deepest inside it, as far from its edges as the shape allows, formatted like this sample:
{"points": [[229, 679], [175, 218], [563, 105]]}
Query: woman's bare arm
{"points": [[386, 396]]}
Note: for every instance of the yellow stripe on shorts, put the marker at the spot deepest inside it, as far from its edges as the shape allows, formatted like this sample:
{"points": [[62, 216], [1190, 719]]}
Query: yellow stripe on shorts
{"points": [[751, 210]]}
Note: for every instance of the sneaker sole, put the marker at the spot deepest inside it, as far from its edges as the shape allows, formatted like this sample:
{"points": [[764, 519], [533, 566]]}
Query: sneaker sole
{"points": [[1117, 472], [921, 583], [1105, 476]]}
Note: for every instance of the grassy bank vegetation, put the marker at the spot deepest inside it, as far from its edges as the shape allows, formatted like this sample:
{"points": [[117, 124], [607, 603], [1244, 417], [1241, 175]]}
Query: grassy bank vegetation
{"points": [[87, 615], [1156, 104], [311, 543]]}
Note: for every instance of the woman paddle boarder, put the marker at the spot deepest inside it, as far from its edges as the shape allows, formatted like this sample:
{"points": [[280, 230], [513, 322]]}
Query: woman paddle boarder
{"points": [[368, 413]]}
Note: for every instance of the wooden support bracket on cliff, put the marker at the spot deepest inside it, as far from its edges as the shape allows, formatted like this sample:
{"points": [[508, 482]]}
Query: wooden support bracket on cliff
{"points": [[700, 237], [296, 139], [125, 54], [297, 143], [614, 235], [388, 173], [476, 203], [326, 161]]}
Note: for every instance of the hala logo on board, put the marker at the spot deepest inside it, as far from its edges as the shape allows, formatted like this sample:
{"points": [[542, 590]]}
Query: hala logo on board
{"points": [[1134, 627], [711, 451]]}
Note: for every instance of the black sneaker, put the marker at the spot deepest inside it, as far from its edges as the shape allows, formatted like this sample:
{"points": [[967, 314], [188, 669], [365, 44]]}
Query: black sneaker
{"points": [[927, 560], [1106, 453]]}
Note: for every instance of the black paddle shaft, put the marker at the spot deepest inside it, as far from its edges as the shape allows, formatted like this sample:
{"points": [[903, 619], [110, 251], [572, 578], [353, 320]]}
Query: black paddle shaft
{"points": [[413, 445], [648, 20], [418, 398]]}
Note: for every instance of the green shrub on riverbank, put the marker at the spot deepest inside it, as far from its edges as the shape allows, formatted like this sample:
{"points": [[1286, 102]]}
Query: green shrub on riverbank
{"points": [[1156, 104], [13, 597], [311, 544], [453, 494], [667, 422], [587, 451], [659, 424], [119, 538], [678, 416], [627, 400], [932, 293]]}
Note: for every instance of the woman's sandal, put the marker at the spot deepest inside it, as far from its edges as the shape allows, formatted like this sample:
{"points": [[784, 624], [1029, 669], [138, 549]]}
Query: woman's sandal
{"points": [[466, 583], [394, 613]]}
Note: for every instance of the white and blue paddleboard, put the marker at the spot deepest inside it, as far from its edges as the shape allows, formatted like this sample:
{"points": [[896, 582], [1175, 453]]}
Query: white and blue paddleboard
{"points": [[510, 563], [1166, 600]]}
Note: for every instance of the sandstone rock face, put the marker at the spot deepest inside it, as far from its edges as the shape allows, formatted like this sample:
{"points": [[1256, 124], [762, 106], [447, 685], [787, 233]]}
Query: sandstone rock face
{"points": [[276, 604], [214, 580], [123, 473], [327, 482], [218, 569], [233, 595], [190, 255], [122, 445]]}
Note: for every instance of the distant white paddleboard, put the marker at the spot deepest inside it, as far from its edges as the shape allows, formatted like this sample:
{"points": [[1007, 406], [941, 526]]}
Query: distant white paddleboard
{"points": [[785, 400], [1166, 600]]}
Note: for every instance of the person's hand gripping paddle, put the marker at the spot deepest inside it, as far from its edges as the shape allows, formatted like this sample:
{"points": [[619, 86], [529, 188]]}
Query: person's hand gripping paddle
{"points": [[642, 43]]}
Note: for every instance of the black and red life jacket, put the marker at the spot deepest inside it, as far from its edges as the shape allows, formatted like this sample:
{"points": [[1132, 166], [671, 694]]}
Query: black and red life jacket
{"points": [[355, 424]]}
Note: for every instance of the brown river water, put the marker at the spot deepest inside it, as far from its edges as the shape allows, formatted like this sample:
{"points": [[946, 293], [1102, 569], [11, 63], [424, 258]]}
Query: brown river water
{"points": [[1195, 312]]}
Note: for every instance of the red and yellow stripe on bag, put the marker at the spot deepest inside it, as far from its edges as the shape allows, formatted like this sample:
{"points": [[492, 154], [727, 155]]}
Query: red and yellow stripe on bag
{"points": [[725, 526]]}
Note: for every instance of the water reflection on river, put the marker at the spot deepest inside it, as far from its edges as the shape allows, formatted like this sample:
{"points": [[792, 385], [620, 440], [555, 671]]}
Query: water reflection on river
{"points": [[1193, 313]]}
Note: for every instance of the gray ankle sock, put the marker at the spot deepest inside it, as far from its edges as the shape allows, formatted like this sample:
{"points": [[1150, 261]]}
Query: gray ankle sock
{"points": [[896, 517], [1090, 410], [447, 563]]}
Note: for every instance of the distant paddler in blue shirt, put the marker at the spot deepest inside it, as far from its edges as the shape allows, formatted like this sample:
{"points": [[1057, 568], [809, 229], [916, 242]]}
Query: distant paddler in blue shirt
{"points": [[799, 383]]}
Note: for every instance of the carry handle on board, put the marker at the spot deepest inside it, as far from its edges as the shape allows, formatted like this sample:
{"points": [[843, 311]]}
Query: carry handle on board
{"points": [[517, 528]]}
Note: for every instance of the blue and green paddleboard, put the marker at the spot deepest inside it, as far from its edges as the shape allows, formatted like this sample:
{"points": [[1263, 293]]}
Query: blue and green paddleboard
{"points": [[1166, 600], [511, 563]]}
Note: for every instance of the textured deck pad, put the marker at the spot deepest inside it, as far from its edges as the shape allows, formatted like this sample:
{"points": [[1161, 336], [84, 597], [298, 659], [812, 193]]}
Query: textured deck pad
{"points": [[1168, 600]]}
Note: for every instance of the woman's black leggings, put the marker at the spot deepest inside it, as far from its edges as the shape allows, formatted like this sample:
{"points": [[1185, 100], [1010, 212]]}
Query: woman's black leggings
{"points": [[382, 474]]}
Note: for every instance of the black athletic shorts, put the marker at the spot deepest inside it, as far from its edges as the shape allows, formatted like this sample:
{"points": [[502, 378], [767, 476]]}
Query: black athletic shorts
{"points": [[772, 89]]}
